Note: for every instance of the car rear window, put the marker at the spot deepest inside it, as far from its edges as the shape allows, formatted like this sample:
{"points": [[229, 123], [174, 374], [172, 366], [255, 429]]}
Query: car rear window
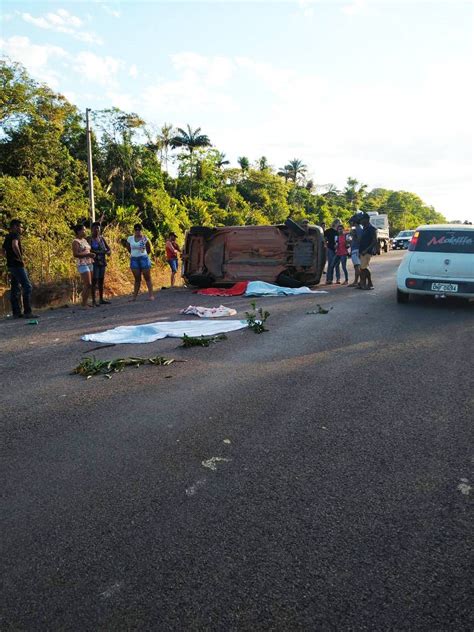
{"points": [[444, 241]]}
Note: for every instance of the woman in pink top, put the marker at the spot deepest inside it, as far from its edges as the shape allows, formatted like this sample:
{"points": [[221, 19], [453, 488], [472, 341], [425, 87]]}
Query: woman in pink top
{"points": [[342, 252]]}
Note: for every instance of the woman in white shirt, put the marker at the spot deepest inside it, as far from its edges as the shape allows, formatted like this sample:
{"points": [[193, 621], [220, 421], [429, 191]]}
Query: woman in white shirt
{"points": [[139, 248]]}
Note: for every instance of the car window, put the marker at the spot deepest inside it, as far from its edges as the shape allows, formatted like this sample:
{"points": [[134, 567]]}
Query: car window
{"points": [[405, 233], [443, 241]]}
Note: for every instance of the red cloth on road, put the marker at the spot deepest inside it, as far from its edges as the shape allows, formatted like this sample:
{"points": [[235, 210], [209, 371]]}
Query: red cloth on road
{"points": [[236, 290]]}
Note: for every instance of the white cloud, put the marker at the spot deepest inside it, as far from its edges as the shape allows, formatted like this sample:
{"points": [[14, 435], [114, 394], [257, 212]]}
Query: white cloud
{"points": [[115, 13], [35, 57], [201, 84], [62, 22], [355, 7], [133, 71], [101, 70]]}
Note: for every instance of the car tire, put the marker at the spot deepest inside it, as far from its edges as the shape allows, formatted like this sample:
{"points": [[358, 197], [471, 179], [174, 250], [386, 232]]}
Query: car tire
{"points": [[200, 280], [402, 297], [201, 231], [285, 280], [295, 228]]}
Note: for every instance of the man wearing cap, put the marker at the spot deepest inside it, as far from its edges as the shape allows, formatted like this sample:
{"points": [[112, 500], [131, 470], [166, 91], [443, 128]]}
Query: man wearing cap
{"points": [[367, 247], [172, 250]]}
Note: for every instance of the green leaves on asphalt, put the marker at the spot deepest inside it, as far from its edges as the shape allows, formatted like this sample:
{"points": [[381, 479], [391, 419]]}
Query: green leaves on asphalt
{"points": [[91, 366]]}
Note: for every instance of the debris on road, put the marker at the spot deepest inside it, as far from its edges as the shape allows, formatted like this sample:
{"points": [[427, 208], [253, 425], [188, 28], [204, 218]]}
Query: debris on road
{"points": [[320, 310], [190, 341], [464, 487], [256, 320], [91, 366], [211, 463], [209, 312]]}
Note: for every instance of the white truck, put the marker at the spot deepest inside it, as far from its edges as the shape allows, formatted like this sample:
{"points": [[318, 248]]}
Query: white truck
{"points": [[381, 224]]}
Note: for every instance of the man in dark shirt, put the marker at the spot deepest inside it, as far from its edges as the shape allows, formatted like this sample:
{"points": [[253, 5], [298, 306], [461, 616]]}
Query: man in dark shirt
{"points": [[367, 247], [330, 235], [18, 275]]}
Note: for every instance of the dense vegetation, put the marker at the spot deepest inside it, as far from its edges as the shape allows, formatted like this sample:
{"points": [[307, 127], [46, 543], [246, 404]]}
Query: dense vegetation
{"points": [[168, 179]]}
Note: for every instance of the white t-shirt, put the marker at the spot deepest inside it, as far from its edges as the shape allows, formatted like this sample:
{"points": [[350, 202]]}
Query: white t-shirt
{"points": [[137, 248]]}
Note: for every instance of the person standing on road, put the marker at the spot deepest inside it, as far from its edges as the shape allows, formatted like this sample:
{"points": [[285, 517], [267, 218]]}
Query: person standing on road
{"points": [[356, 234], [139, 248], [20, 284], [367, 247], [172, 250], [330, 235], [101, 250], [81, 250], [341, 252]]}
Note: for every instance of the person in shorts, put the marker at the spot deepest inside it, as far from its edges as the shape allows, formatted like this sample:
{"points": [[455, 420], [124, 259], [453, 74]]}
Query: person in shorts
{"points": [[20, 284], [172, 250], [367, 247], [101, 250], [81, 250], [138, 245]]}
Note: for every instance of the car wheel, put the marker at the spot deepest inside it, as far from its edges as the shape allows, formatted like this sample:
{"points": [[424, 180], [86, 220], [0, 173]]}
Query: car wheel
{"points": [[200, 280], [402, 297], [285, 280], [295, 228]]}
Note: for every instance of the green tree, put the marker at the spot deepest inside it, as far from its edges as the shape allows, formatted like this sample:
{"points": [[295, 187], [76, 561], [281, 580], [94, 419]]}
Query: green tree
{"points": [[244, 163], [190, 140]]}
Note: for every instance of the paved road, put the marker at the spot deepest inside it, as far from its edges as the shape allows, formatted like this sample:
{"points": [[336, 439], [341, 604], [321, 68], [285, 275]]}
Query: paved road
{"points": [[340, 501]]}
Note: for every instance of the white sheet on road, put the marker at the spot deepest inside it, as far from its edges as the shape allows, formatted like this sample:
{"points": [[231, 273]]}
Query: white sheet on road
{"points": [[150, 332], [208, 312], [260, 288]]}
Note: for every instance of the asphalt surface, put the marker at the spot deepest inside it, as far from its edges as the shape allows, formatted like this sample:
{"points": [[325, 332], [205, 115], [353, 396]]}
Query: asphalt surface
{"points": [[341, 500]]}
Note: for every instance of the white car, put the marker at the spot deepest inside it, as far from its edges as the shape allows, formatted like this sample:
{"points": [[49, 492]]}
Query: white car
{"points": [[439, 261]]}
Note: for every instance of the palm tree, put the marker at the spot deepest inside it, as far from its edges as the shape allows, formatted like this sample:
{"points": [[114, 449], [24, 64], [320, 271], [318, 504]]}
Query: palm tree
{"points": [[331, 191], [354, 192], [190, 140], [263, 163], [244, 163], [221, 160], [164, 138], [296, 169], [284, 173]]}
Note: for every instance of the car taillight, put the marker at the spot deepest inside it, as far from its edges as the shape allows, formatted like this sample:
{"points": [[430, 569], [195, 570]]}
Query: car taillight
{"points": [[413, 241], [411, 282]]}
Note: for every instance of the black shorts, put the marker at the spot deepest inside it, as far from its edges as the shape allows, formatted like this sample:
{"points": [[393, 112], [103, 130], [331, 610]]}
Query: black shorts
{"points": [[98, 272]]}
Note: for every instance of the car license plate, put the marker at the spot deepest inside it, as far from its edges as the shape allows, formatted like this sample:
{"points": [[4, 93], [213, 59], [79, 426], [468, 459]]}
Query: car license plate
{"points": [[444, 287]]}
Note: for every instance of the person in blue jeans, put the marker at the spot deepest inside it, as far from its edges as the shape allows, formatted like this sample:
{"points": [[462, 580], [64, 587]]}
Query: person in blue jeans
{"points": [[139, 248], [341, 253], [333, 264], [21, 287]]}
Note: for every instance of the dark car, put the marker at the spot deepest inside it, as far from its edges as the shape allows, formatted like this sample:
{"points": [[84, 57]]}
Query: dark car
{"points": [[402, 240], [287, 254]]}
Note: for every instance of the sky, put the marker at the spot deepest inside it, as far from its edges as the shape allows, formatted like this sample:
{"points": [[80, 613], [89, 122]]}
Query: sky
{"points": [[377, 90]]}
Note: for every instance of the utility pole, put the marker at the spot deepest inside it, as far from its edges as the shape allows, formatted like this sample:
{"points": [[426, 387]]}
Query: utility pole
{"points": [[89, 166]]}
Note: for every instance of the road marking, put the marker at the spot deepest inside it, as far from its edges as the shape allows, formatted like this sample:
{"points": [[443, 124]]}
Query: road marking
{"points": [[211, 463]]}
